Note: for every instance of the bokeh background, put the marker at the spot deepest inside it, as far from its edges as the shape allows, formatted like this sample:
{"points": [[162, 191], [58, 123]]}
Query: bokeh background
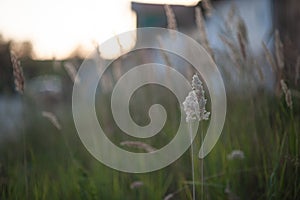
{"points": [[255, 45]]}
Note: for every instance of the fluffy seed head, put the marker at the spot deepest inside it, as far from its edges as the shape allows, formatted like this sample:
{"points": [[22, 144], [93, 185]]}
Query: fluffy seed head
{"points": [[194, 104]]}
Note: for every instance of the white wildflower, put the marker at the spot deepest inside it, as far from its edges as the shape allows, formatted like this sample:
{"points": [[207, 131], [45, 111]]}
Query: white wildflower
{"points": [[236, 154]]}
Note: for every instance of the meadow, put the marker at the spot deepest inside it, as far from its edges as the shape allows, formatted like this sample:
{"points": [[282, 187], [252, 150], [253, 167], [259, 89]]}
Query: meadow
{"points": [[257, 156]]}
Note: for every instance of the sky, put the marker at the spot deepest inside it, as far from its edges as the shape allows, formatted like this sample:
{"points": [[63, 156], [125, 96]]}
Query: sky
{"points": [[57, 27]]}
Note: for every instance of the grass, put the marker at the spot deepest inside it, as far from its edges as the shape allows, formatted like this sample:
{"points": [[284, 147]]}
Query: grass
{"points": [[59, 167], [258, 122]]}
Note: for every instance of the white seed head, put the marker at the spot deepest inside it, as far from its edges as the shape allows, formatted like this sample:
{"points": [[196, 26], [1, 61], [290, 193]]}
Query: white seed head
{"points": [[200, 93], [191, 107], [194, 104]]}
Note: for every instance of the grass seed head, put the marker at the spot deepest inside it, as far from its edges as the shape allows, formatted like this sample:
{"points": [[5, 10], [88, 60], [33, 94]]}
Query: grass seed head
{"points": [[269, 57], [169, 196], [297, 71], [172, 24], [140, 145], [19, 79], [52, 118], [279, 50], [201, 27], [287, 93], [207, 7], [194, 104]]}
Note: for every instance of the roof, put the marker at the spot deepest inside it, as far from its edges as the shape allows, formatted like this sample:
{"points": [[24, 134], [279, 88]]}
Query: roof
{"points": [[153, 15]]}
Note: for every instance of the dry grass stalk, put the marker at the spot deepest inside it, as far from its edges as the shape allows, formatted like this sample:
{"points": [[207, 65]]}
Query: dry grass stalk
{"points": [[140, 145], [297, 71], [19, 79], [230, 194], [71, 70], [260, 72], [234, 55], [203, 36], [287, 93], [242, 36], [230, 18], [279, 50], [161, 46], [52, 118], [232, 12], [269, 57], [207, 7], [169, 196], [172, 24]]}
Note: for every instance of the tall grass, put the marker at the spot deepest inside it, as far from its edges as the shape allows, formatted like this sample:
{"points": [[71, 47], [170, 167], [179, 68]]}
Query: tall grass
{"points": [[260, 123]]}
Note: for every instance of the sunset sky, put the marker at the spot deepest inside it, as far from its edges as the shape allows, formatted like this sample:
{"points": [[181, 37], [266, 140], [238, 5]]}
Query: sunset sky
{"points": [[57, 27]]}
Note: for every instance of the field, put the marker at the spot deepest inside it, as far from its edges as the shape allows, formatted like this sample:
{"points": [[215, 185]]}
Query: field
{"points": [[256, 157]]}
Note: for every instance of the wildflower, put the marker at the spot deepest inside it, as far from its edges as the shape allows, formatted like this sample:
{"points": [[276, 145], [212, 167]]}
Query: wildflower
{"points": [[236, 154]]}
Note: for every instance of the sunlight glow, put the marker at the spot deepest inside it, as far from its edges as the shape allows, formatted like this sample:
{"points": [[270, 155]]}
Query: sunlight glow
{"points": [[57, 27]]}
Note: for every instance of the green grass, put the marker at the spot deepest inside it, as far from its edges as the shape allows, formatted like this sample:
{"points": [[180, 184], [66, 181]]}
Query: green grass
{"points": [[46, 163], [59, 167]]}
